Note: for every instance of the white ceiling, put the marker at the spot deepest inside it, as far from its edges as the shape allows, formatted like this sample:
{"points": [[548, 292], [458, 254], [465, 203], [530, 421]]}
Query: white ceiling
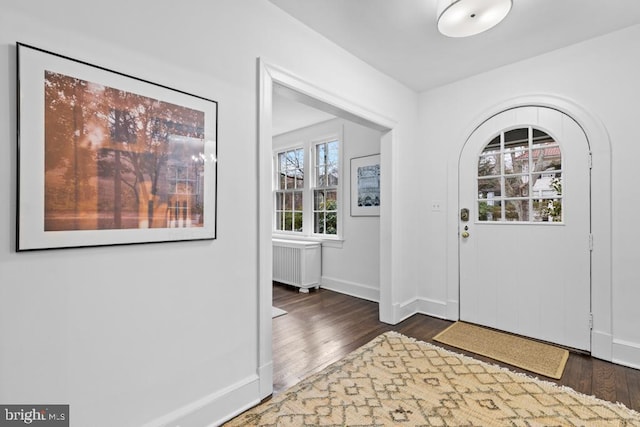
{"points": [[289, 115], [400, 38]]}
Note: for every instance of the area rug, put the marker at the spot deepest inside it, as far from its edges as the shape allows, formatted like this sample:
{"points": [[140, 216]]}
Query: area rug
{"points": [[398, 381], [277, 312], [527, 354]]}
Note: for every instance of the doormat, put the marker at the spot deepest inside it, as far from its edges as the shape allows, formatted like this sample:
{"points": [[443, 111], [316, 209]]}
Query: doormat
{"points": [[395, 380], [533, 356]]}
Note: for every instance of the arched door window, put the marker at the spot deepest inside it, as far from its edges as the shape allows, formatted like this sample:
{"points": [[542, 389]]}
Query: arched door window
{"points": [[520, 178]]}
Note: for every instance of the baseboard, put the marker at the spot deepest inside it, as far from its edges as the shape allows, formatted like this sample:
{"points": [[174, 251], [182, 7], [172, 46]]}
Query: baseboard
{"points": [[429, 307], [265, 372], [601, 345], [357, 290], [214, 409], [626, 353]]}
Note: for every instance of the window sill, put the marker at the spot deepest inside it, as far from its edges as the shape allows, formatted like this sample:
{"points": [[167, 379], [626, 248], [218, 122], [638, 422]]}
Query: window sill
{"points": [[326, 242]]}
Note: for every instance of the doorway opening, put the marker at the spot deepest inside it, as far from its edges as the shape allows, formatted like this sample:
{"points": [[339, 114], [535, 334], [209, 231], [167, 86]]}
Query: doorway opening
{"points": [[298, 90]]}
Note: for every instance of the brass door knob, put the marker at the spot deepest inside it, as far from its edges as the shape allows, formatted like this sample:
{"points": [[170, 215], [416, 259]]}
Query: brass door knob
{"points": [[465, 234]]}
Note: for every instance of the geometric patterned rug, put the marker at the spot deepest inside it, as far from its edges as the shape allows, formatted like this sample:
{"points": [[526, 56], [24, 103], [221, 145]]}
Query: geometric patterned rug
{"points": [[399, 381]]}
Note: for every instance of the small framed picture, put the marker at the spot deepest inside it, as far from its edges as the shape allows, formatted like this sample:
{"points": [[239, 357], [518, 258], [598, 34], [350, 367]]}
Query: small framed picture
{"points": [[365, 185]]}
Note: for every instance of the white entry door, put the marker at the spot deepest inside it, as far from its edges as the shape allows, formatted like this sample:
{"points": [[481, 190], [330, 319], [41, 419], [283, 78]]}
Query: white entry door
{"points": [[525, 243]]}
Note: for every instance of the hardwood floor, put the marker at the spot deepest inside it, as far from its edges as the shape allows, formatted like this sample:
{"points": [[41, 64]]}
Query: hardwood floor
{"points": [[323, 326]]}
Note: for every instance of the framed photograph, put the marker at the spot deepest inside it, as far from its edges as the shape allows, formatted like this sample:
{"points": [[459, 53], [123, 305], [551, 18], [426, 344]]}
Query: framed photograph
{"points": [[365, 186], [107, 159]]}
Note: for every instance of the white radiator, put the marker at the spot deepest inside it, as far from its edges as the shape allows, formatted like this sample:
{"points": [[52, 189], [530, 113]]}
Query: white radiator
{"points": [[297, 263]]}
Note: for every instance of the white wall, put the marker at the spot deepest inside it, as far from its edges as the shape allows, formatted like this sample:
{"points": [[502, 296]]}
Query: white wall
{"points": [[351, 266], [600, 77], [164, 333]]}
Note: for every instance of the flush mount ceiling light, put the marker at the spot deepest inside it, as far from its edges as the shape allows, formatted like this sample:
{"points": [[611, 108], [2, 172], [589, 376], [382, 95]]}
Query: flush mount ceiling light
{"points": [[462, 18]]}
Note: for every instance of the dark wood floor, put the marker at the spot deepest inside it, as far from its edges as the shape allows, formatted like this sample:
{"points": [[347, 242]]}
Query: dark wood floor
{"points": [[323, 326]]}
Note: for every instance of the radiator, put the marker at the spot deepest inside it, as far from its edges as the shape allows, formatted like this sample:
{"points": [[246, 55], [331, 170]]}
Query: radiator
{"points": [[297, 263]]}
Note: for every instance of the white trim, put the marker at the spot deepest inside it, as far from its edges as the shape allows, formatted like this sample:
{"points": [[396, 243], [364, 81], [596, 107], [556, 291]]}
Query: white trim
{"points": [[268, 75], [426, 306], [626, 353], [354, 289], [601, 226], [241, 395]]}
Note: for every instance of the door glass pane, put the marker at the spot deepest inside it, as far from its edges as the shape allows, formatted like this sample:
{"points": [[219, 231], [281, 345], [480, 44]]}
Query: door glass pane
{"points": [[516, 210], [488, 188], [489, 164], [489, 210], [516, 139], [547, 158], [546, 185], [547, 210], [516, 161], [516, 186]]}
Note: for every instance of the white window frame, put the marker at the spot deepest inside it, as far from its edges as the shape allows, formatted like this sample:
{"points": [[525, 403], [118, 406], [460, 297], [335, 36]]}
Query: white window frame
{"points": [[308, 139]]}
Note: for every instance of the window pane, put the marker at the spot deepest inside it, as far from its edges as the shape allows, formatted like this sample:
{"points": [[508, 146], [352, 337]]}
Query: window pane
{"points": [[493, 146], [297, 203], [541, 138], [489, 188], [288, 201], [546, 185], [279, 201], [297, 226], [516, 161], [320, 176], [318, 221], [489, 210], [278, 220], [516, 186], [332, 175], [331, 223], [516, 139], [299, 173], [318, 200], [331, 200], [321, 154], [547, 158], [489, 165], [549, 210], [516, 210]]}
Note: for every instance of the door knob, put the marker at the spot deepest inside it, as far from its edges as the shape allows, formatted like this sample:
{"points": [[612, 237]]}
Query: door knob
{"points": [[465, 234]]}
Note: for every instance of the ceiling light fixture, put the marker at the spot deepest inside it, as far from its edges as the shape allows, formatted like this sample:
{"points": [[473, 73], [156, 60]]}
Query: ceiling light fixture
{"points": [[463, 18]]}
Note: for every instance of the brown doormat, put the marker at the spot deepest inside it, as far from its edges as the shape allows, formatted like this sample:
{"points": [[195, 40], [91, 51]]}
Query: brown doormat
{"points": [[534, 356]]}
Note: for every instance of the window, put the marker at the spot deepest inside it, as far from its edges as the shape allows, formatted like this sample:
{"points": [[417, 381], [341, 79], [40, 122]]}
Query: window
{"points": [[307, 195], [325, 193], [520, 178], [290, 190]]}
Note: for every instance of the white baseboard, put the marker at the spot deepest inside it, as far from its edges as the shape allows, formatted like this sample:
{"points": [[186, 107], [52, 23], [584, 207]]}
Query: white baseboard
{"points": [[351, 288], [402, 311], [214, 409], [265, 372], [601, 345], [626, 353]]}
